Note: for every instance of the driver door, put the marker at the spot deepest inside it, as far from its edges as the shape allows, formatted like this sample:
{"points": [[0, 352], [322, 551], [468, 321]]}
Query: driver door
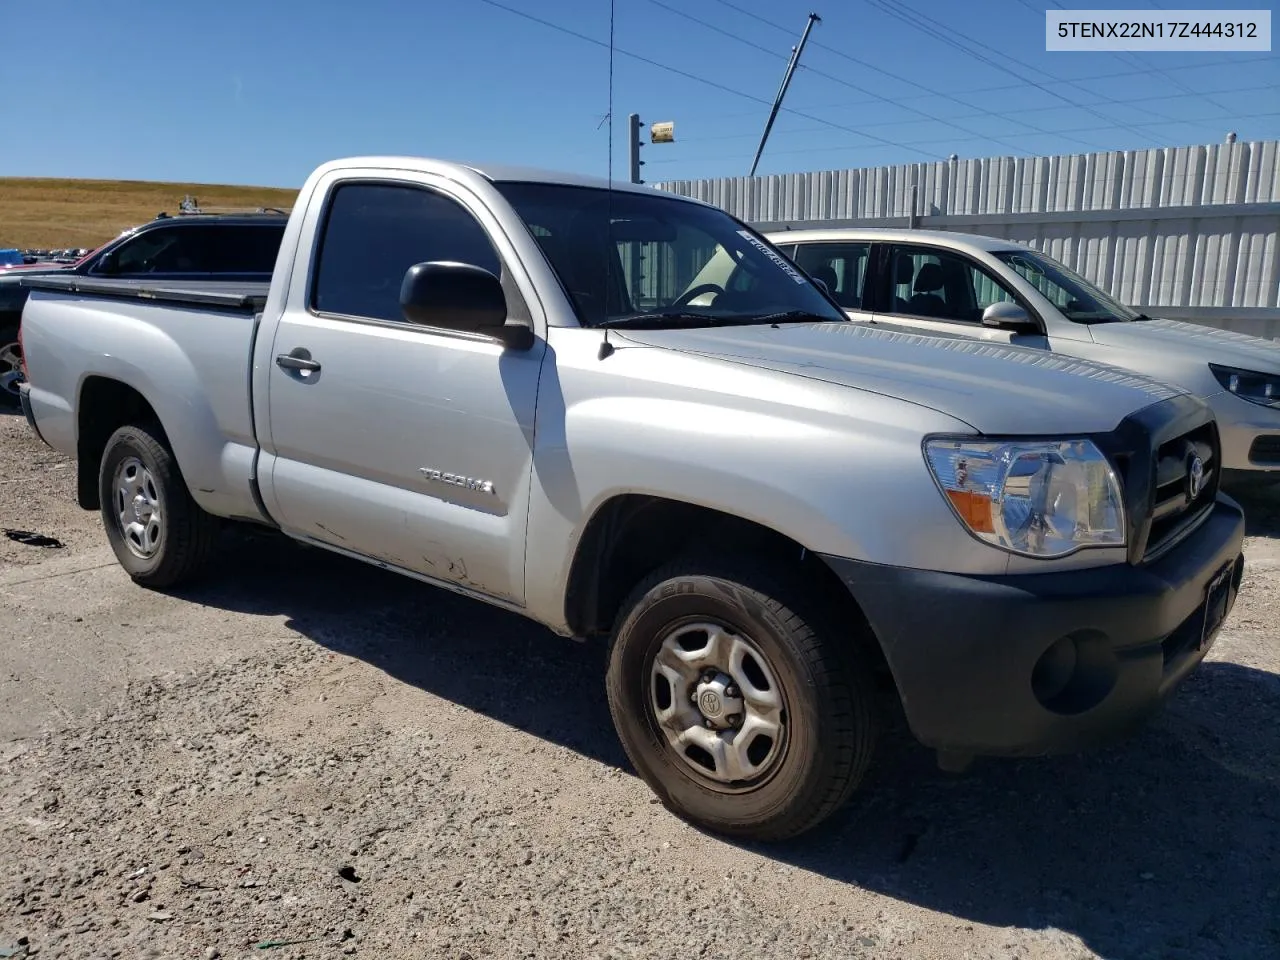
{"points": [[405, 444]]}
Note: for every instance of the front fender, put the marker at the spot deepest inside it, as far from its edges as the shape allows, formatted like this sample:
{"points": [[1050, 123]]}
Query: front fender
{"points": [[839, 471]]}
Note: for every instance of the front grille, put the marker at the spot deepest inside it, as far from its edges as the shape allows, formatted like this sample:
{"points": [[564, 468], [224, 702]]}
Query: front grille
{"points": [[1174, 510], [1266, 450], [1152, 451]]}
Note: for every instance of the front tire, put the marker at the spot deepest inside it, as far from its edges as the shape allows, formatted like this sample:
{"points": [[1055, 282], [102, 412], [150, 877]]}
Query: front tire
{"points": [[159, 534], [740, 699]]}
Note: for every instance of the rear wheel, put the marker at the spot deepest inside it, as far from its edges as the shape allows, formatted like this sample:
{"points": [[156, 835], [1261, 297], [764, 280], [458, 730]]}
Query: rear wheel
{"points": [[740, 699], [10, 365], [160, 535]]}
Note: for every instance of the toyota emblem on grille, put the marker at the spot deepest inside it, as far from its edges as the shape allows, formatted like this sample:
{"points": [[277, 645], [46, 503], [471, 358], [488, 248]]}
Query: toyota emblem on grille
{"points": [[1195, 477]]}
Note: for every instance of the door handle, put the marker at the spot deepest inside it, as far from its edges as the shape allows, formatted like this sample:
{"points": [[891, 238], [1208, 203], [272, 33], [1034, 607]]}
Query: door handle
{"points": [[298, 359]]}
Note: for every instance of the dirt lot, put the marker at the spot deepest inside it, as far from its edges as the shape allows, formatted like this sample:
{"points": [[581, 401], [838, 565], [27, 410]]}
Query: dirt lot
{"points": [[306, 749], [86, 213]]}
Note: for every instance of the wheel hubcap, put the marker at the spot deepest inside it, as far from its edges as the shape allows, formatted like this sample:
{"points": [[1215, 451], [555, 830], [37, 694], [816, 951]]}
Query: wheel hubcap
{"points": [[138, 508], [10, 368], [718, 703]]}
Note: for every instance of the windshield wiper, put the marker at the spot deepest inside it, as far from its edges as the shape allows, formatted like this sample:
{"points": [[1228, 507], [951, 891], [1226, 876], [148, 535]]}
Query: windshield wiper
{"points": [[683, 319], [673, 318], [1143, 316], [794, 316]]}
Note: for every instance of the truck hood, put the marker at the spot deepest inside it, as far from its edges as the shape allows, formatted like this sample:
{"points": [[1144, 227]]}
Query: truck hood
{"points": [[995, 388], [1190, 341]]}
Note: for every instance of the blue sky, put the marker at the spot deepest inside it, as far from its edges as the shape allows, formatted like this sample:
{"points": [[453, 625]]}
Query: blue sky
{"points": [[260, 91]]}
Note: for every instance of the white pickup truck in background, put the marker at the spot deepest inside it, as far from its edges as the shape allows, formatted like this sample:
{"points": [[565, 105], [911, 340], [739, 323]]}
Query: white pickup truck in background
{"points": [[510, 384]]}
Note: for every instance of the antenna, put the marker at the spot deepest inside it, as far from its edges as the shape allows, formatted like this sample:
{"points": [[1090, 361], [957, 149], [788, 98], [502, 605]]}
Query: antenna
{"points": [[606, 347]]}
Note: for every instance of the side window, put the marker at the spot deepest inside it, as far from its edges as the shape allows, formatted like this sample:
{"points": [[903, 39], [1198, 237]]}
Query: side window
{"points": [[148, 252], [244, 248], [941, 285], [841, 266], [373, 233]]}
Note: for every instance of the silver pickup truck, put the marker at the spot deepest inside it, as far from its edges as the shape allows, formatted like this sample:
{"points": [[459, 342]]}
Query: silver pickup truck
{"points": [[496, 381]]}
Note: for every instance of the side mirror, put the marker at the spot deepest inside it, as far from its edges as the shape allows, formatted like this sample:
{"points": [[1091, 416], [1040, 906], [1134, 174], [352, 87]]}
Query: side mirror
{"points": [[821, 285], [107, 265], [1009, 316], [456, 296]]}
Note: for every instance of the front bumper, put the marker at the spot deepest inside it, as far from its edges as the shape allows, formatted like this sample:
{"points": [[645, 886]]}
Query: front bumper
{"points": [[1052, 662], [1250, 437]]}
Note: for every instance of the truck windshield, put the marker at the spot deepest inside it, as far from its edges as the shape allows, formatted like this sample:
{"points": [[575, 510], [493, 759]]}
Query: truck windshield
{"points": [[632, 259], [1077, 299]]}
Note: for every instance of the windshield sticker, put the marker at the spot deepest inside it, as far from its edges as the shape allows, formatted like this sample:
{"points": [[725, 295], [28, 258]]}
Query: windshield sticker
{"points": [[776, 257]]}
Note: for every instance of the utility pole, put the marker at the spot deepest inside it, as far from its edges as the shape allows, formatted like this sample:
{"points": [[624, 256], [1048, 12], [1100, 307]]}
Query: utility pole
{"points": [[782, 91], [633, 140]]}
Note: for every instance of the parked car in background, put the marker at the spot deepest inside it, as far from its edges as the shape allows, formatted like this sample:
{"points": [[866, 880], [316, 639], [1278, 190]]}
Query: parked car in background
{"points": [[11, 257], [238, 248], [776, 518], [962, 285]]}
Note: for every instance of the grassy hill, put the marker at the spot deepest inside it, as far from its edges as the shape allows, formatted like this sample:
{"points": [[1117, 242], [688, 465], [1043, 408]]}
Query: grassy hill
{"points": [[86, 213]]}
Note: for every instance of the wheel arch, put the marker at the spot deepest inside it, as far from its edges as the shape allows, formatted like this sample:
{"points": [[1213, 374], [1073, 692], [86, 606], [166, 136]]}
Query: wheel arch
{"points": [[631, 535], [103, 406]]}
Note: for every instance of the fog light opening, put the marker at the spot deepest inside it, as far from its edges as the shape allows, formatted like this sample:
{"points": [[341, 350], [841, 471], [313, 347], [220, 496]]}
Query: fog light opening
{"points": [[1075, 673]]}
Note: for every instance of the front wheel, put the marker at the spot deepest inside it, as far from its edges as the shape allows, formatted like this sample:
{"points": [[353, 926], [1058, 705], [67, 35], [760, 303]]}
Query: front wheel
{"points": [[160, 535], [738, 699]]}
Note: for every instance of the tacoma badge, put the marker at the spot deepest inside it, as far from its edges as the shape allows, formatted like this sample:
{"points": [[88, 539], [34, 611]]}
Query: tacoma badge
{"points": [[457, 480]]}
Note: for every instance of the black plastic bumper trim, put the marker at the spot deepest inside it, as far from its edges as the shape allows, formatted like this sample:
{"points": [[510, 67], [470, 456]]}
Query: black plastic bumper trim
{"points": [[962, 649]]}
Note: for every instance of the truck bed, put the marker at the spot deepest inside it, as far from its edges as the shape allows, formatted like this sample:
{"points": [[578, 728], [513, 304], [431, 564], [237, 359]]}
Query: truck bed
{"points": [[188, 342], [222, 295]]}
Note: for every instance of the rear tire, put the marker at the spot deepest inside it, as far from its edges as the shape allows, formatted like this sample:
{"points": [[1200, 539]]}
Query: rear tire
{"points": [[159, 534], [789, 673], [10, 366]]}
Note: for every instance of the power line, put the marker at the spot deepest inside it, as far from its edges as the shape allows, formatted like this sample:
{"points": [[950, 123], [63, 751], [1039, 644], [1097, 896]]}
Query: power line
{"points": [[693, 76], [929, 90], [1130, 57], [833, 149], [925, 18], [998, 88], [839, 53], [853, 86], [894, 123], [1224, 62], [947, 35]]}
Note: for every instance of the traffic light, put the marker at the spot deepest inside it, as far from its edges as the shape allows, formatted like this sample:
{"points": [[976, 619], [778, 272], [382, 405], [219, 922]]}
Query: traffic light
{"points": [[633, 138]]}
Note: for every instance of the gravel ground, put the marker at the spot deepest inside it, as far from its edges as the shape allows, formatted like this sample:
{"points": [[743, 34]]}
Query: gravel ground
{"points": [[307, 749]]}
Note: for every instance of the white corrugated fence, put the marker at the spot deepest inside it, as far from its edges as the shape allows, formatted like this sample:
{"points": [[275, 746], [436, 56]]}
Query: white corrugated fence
{"points": [[1194, 231]]}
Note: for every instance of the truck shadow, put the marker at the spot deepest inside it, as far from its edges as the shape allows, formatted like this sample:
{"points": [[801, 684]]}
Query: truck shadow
{"points": [[1163, 847], [1261, 511]]}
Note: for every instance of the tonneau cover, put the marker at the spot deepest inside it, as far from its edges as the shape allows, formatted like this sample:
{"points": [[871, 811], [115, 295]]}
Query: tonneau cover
{"points": [[225, 295]]}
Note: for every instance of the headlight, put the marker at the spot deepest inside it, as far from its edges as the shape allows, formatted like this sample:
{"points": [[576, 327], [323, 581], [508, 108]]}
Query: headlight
{"points": [[1260, 388], [1035, 498]]}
